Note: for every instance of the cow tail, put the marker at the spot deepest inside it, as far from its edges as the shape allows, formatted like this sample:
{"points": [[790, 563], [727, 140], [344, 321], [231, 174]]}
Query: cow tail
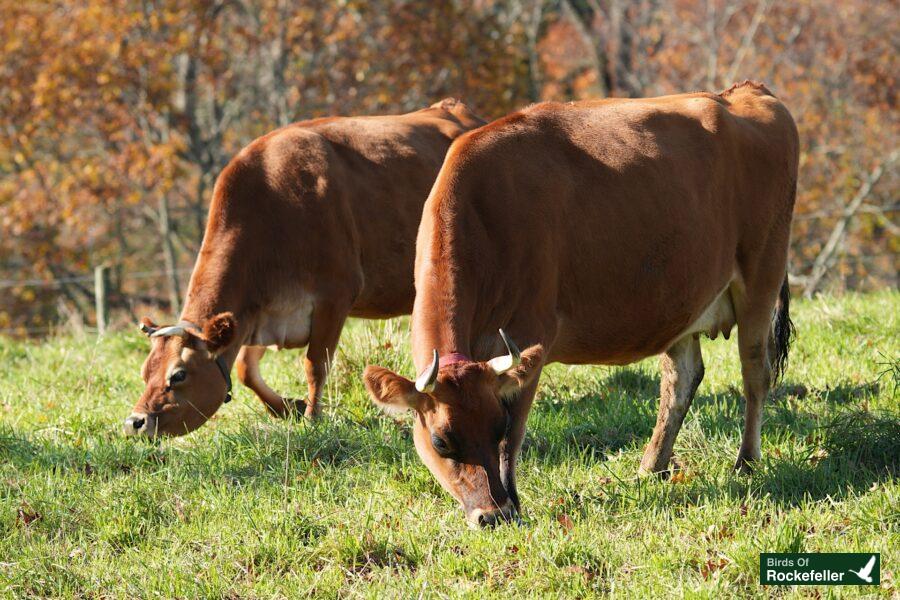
{"points": [[783, 331]]}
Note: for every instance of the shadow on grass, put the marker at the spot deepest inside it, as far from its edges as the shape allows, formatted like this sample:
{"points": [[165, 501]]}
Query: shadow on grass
{"points": [[30, 452], [853, 452], [622, 414], [859, 448], [256, 453], [845, 453], [260, 450], [855, 449]]}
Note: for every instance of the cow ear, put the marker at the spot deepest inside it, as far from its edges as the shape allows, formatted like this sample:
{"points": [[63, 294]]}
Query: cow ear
{"points": [[512, 381], [219, 331], [147, 326], [391, 392]]}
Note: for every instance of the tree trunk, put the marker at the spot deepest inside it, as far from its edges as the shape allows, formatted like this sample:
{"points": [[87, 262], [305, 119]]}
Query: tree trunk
{"points": [[534, 59], [169, 257], [822, 262]]}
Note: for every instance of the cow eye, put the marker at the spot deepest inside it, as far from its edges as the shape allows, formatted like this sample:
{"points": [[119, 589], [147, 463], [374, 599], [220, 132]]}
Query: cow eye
{"points": [[440, 445], [177, 377]]}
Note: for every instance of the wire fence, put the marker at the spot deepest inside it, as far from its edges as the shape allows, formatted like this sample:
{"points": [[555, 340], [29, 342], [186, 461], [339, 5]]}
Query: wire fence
{"points": [[837, 212], [100, 296], [61, 282], [836, 265]]}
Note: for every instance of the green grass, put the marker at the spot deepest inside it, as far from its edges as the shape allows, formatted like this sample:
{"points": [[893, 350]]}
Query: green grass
{"points": [[251, 507]]}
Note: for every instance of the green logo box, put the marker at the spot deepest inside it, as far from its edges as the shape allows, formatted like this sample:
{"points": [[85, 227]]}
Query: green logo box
{"points": [[836, 568]]}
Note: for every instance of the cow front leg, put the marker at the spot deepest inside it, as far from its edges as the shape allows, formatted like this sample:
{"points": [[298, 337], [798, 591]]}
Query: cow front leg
{"points": [[681, 371], [327, 323], [247, 366], [512, 443]]}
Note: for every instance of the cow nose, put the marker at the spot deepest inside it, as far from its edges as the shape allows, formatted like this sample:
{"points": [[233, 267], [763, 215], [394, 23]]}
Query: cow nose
{"points": [[491, 517], [136, 424]]}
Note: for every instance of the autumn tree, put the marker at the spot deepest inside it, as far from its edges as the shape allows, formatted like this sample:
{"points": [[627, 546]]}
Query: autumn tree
{"points": [[118, 115]]}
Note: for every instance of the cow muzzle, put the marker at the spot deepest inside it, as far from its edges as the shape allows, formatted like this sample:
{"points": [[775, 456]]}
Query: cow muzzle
{"points": [[492, 517], [140, 424]]}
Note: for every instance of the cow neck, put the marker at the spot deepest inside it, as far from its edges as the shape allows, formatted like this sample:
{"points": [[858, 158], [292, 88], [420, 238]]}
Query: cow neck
{"points": [[444, 308], [439, 334], [208, 297]]}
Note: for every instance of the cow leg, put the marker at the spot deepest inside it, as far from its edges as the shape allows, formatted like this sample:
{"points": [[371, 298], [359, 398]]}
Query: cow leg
{"points": [[681, 371], [755, 299], [247, 366], [753, 345], [512, 445], [327, 323]]}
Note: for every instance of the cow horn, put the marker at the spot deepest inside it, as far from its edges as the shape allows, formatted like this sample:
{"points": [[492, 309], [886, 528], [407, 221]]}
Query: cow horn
{"points": [[169, 331], [146, 328], [502, 364], [425, 382]]}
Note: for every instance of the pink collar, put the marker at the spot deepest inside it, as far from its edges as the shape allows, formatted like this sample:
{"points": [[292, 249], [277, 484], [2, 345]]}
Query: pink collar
{"points": [[452, 359]]}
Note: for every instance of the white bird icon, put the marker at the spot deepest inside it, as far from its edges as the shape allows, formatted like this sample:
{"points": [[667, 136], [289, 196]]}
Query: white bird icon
{"points": [[865, 572]]}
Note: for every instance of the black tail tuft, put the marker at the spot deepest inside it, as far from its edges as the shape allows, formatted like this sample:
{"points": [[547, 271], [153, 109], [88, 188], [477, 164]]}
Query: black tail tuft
{"points": [[783, 331]]}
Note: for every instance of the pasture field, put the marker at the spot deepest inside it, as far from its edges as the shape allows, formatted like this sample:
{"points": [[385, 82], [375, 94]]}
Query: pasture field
{"points": [[252, 507]]}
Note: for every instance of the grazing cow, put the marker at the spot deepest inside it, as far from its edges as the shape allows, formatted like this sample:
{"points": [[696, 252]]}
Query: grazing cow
{"points": [[308, 225], [597, 232]]}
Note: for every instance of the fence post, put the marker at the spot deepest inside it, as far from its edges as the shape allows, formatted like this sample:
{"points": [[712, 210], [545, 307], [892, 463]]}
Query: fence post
{"points": [[101, 286]]}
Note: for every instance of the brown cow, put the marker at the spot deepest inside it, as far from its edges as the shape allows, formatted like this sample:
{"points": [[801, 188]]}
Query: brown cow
{"points": [[596, 232], [308, 225]]}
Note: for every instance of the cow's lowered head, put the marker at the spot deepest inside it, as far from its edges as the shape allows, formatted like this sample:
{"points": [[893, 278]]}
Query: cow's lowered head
{"points": [[185, 374], [462, 419]]}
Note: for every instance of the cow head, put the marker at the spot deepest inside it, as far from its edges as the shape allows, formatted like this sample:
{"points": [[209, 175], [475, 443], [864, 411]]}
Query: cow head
{"points": [[186, 378], [462, 423]]}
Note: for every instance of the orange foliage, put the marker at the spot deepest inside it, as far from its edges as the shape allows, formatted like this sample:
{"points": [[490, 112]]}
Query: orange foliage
{"points": [[117, 115]]}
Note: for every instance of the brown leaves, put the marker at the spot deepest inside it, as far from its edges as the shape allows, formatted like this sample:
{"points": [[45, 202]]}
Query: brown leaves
{"points": [[713, 565], [818, 456], [26, 515], [717, 533], [180, 509], [587, 573], [566, 522], [99, 120], [682, 476]]}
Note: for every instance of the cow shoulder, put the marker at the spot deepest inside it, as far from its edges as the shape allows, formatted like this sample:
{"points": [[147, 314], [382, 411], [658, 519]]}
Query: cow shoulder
{"points": [[489, 140], [295, 154]]}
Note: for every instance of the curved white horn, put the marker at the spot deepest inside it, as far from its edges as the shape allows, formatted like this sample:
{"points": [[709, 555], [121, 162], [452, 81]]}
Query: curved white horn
{"points": [[502, 364], [171, 330], [425, 382]]}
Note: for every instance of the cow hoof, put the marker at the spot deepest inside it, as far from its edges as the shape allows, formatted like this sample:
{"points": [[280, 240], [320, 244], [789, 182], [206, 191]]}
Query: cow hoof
{"points": [[744, 465], [295, 408], [644, 473], [655, 466], [298, 408]]}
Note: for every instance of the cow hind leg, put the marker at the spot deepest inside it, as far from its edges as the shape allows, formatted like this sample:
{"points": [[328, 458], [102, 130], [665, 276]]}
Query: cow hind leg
{"points": [[755, 345], [763, 344], [681, 371], [247, 366], [327, 323]]}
